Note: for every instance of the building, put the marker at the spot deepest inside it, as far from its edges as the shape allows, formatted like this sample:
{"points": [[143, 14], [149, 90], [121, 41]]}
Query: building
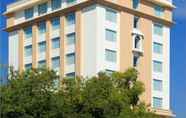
{"points": [[83, 37]]}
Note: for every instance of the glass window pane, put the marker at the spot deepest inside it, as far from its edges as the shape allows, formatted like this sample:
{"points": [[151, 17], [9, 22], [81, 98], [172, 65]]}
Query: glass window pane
{"points": [[56, 23], [29, 13], [71, 1], [70, 75], [157, 85], [42, 64], [111, 15], [71, 39], [56, 43], [28, 66], [42, 8], [28, 50], [42, 47], [158, 29], [110, 55], [28, 32], [55, 62], [157, 66], [110, 35], [42, 27], [71, 59], [56, 4], [71, 19], [157, 48], [157, 102], [136, 4], [159, 11]]}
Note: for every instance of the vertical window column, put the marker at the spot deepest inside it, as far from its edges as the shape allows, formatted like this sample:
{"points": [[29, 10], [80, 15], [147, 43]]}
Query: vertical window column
{"points": [[48, 43]]}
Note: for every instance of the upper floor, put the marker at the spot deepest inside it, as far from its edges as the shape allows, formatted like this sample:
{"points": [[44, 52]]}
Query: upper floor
{"points": [[23, 11]]}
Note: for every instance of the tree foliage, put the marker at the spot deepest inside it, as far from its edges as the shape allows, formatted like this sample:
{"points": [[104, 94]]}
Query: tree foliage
{"points": [[35, 94]]}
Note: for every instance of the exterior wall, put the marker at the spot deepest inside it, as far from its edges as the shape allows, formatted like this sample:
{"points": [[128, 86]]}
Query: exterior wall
{"points": [[14, 50]]}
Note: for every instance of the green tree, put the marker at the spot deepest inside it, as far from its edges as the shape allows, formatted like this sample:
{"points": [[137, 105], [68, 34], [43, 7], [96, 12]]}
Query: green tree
{"points": [[35, 94]]}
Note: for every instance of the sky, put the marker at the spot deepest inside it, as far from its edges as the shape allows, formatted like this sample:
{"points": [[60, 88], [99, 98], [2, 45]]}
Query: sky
{"points": [[178, 55], [178, 60]]}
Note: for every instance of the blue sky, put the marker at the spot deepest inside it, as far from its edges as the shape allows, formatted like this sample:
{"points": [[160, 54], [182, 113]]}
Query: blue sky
{"points": [[178, 55], [178, 60]]}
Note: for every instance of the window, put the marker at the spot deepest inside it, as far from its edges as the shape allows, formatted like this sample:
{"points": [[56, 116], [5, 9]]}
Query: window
{"points": [[42, 27], [42, 8], [157, 66], [28, 32], [110, 35], [136, 4], [28, 51], [110, 55], [56, 43], [109, 72], [71, 38], [157, 48], [71, 19], [29, 13], [157, 102], [157, 85], [111, 15], [71, 75], [42, 47], [28, 66], [136, 61], [55, 23], [71, 59], [42, 64], [137, 42], [71, 1], [55, 4], [136, 22], [55, 62], [159, 11], [158, 29]]}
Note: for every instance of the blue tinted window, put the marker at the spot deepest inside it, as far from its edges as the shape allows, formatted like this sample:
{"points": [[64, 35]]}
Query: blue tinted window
{"points": [[71, 38], [29, 13], [42, 63], [28, 32], [71, 75], [136, 4], [158, 29], [42, 8], [71, 59], [157, 48], [55, 62], [157, 85], [111, 15], [157, 66], [56, 4], [42, 27], [28, 50], [159, 11], [56, 23], [56, 43], [71, 1], [28, 66], [70, 19], [157, 102], [42, 47], [110, 55], [111, 35]]}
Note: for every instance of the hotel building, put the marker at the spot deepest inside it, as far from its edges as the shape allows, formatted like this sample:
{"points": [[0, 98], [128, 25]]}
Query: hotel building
{"points": [[84, 37]]}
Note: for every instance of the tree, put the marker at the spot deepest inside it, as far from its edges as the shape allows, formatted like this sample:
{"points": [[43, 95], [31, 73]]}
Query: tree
{"points": [[34, 94]]}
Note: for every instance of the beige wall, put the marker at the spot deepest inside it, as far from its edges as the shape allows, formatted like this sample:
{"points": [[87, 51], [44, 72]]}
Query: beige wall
{"points": [[125, 40]]}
